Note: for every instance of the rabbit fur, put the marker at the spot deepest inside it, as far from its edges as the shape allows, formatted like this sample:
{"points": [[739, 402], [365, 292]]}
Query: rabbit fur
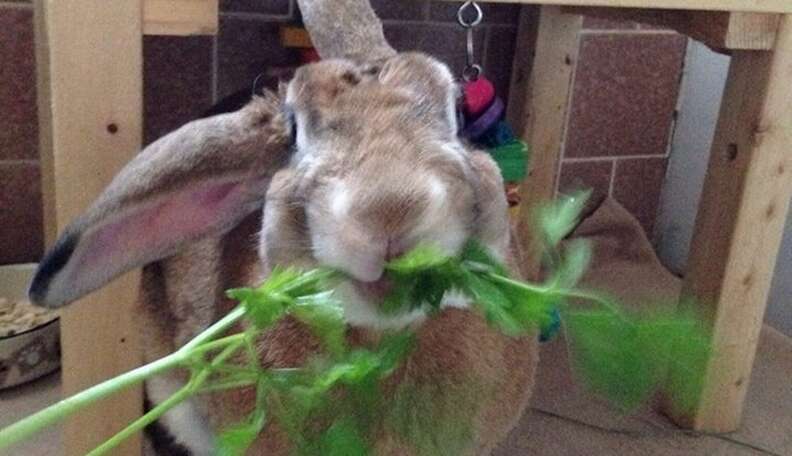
{"points": [[354, 162]]}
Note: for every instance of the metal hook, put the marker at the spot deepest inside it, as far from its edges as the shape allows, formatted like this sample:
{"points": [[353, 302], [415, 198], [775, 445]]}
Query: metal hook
{"points": [[476, 20], [472, 70]]}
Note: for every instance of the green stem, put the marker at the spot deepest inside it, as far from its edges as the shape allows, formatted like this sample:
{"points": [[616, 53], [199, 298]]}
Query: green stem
{"points": [[60, 410], [144, 420], [216, 329], [195, 383], [217, 344], [566, 293], [227, 385], [514, 283], [596, 299]]}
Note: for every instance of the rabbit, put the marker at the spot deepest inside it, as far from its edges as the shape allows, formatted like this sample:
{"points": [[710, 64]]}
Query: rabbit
{"points": [[354, 164]]}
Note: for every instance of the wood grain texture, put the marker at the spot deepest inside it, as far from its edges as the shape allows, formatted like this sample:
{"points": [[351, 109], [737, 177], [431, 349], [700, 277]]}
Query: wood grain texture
{"points": [[180, 17], [740, 225], [752, 6], [538, 109], [720, 30], [90, 103]]}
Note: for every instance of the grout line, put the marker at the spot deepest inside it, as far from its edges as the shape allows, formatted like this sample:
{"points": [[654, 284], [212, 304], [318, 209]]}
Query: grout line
{"points": [[19, 161], [628, 32], [500, 25], [484, 54], [427, 10], [442, 23], [248, 16], [608, 158], [215, 65], [16, 5], [612, 182]]}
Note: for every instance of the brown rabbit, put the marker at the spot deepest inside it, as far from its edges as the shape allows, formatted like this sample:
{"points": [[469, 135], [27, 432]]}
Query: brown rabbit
{"points": [[366, 166]]}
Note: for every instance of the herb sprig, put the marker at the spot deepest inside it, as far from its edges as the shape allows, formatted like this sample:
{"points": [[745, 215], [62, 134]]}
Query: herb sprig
{"points": [[326, 406]]}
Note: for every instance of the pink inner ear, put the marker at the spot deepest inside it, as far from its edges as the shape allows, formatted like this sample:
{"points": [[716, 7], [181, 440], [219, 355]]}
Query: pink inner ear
{"points": [[152, 230]]}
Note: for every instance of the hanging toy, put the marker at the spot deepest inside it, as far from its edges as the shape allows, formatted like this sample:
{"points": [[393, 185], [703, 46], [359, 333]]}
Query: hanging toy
{"points": [[482, 115]]}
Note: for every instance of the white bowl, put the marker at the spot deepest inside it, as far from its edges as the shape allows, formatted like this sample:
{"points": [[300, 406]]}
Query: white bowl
{"points": [[33, 353]]}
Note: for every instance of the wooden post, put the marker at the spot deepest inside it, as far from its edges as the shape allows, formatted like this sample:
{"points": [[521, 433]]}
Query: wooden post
{"points": [[740, 224], [90, 105], [180, 17], [749, 6], [722, 31], [538, 110]]}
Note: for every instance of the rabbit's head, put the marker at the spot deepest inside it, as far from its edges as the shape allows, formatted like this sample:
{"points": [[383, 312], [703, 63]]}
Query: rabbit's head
{"points": [[378, 169], [357, 163]]}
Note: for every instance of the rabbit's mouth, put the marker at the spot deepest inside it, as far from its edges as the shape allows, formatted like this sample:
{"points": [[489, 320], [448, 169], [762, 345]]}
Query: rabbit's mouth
{"points": [[376, 290]]}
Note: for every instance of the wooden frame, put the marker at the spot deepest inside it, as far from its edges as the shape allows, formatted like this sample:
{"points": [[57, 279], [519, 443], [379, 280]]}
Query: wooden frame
{"points": [[180, 17], [723, 31], [90, 87], [748, 186], [750, 6], [91, 112]]}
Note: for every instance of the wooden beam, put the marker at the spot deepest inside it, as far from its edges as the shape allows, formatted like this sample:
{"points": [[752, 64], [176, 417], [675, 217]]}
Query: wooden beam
{"points": [[741, 31], [740, 225], [180, 17], [719, 30], [749, 6], [89, 56], [538, 107]]}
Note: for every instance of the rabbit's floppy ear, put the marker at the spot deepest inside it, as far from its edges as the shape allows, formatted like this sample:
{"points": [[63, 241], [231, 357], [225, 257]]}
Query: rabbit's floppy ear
{"points": [[492, 223], [198, 181]]}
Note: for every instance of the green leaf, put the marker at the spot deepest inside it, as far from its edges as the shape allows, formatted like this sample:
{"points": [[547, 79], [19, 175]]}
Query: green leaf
{"points": [[264, 309], [393, 349], [343, 439], [475, 254], [626, 359], [235, 440], [325, 317], [606, 351], [557, 220], [493, 303], [574, 264], [419, 259], [686, 349]]}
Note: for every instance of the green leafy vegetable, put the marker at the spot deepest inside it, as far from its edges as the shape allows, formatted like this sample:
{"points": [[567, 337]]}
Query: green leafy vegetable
{"points": [[330, 406]]}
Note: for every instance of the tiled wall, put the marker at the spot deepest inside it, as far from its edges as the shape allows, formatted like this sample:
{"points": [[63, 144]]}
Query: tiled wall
{"points": [[618, 129], [621, 116]]}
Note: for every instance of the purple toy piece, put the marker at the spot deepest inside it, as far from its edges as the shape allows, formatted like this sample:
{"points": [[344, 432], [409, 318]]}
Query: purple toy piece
{"points": [[485, 121]]}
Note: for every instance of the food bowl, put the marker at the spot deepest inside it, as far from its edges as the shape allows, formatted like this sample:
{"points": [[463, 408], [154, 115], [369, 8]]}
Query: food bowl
{"points": [[32, 352]]}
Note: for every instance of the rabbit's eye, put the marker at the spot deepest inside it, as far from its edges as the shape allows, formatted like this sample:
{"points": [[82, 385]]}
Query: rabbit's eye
{"points": [[371, 70], [350, 78]]}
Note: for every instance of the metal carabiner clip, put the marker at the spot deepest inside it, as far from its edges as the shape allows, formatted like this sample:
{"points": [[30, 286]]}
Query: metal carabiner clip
{"points": [[472, 70]]}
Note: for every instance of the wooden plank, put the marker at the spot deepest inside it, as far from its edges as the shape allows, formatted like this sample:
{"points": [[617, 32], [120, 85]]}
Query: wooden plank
{"points": [[180, 17], [295, 37], [740, 225], [750, 6], [745, 31], [718, 29], [90, 103], [538, 107]]}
